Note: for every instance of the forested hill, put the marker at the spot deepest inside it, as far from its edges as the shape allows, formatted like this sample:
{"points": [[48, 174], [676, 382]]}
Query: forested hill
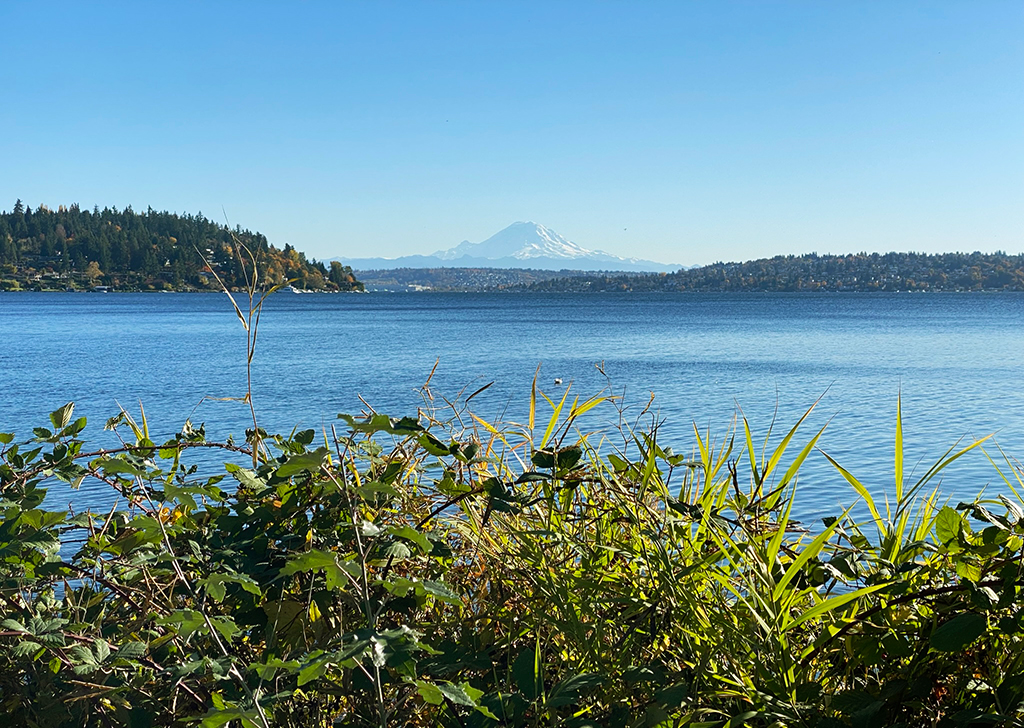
{"points": [[812, 272], [70, 248]]}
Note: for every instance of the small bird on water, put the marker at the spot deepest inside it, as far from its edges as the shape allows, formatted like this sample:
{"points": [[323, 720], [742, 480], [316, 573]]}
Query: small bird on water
{"points": [[557, 381]]}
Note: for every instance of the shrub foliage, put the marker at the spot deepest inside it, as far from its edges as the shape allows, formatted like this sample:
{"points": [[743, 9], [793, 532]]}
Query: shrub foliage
{"points": [[448, 571]]}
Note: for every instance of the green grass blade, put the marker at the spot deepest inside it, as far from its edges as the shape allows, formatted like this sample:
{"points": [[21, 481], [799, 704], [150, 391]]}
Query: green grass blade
{"points": [[533, 400], [830, 605], [899, 448], [776, 541], [943, 463], [781, 449], [553, 422], [857, 486], [750, 452], [794, 467], [809, 552]]}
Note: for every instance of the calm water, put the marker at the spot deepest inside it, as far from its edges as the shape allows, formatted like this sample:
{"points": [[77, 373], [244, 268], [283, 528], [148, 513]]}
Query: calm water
{"points": [[956, 357]]}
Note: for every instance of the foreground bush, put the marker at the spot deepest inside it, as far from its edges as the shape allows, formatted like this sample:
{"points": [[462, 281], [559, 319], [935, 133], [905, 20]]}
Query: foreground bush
{"points": [[463, 573]]}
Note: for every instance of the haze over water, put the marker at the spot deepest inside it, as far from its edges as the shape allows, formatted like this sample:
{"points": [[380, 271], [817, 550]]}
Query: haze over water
{"points": [[956, 358]]}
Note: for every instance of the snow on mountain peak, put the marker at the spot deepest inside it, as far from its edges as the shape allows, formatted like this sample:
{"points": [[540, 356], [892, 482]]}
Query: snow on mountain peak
{"points": [[522, 241]]}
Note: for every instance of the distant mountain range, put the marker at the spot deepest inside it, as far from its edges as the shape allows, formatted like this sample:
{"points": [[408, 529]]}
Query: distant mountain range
{"points": [[520, 245]]}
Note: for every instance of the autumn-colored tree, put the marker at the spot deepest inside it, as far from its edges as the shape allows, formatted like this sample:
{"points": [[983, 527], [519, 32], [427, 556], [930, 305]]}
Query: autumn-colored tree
{"points": [[93, 272]]}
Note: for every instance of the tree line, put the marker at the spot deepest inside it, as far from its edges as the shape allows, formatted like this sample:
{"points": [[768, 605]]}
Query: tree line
{"points": [[72, 248], [812, 272]]}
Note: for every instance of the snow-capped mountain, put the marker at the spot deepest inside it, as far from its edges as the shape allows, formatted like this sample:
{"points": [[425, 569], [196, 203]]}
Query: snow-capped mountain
{"points": [[520, 245], [520, 240]]}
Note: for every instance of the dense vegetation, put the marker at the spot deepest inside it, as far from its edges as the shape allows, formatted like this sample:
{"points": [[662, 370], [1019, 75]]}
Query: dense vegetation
{"points": [[70, 248], [458, 279], [441, 570], [811, 272]]}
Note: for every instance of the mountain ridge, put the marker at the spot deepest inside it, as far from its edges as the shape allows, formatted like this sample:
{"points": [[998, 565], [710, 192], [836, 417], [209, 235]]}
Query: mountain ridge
{"points": [[519, 245]]}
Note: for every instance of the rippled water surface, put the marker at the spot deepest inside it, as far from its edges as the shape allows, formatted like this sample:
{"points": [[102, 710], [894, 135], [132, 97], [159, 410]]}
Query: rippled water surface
{"points": [[957, 358]]}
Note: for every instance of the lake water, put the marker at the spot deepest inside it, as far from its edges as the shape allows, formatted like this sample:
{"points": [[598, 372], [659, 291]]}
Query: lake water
{"points": [[957, 358]]}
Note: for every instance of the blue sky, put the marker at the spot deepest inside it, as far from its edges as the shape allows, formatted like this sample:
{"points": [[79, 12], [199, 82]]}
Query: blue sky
{"points": [[682, 132]]}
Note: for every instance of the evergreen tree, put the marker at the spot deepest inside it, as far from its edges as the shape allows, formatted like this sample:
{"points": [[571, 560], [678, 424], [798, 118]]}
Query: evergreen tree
{"points": [[140, 250]]}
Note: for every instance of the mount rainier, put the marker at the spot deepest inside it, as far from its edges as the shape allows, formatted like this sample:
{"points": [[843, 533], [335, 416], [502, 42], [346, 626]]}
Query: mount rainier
{"points": [[520, 245]]}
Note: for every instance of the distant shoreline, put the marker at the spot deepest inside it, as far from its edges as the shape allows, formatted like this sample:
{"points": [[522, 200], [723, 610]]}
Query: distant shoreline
{"points": [[528, 292]]}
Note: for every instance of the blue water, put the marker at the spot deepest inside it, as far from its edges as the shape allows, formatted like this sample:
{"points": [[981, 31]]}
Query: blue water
{"points": [[957, 358]]}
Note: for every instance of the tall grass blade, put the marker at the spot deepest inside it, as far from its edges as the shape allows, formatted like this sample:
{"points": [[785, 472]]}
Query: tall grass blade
{"points": [[794, 467], [533, 400], [809, 552], [830, 605], [553, 422], [946, 461], [781, 449], [752, 455], [899, 447], [857, 486]]}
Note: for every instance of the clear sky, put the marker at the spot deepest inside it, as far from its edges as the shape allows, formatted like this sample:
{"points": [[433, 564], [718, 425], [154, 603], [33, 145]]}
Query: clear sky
{"points": [[684, 132]]}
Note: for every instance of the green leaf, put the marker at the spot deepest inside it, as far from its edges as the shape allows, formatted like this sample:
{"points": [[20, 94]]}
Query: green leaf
{"points": [[1014, 509], [221, 715], [117, 466], [309, 561], [24, 648], [102, 650], [185, 621], [567, 691], [831, 604], [383, 423], [960, 631], [226, 626], [375, 491], [967, 570], [267, 670], [393, 551], [313, 670], [948, 525], [853, 701], [442, 592], [411, 534], [60, 418], [457, 694], [75, 427], [131, 651], [309, 461], [430, 693], [214, 585], [316, 560], [432, 445], [526, 672], [554, 458], [246, 478], [83, 655]]}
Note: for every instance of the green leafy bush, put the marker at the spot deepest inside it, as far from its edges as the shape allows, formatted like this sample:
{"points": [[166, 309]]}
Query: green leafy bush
{"points": [[444, 570]]}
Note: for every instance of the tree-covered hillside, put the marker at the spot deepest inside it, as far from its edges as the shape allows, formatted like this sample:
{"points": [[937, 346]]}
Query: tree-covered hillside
{"points": [[812, 272], [71, 248]]}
